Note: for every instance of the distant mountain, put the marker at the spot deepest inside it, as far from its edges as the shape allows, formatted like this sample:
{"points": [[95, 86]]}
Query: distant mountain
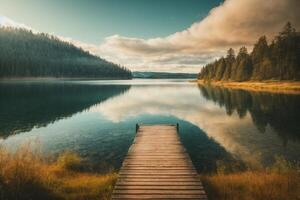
{"points": [[25, 54], [157, 75]]}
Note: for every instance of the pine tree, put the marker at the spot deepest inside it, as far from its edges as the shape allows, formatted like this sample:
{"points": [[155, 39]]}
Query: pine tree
{"points": [[229, 61], [243, 66], [280, 60], [260, 55], [220, 68], [24, 54]]}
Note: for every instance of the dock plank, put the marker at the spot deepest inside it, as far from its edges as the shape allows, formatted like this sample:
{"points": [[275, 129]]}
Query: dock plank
{"points": [[158, 167]]}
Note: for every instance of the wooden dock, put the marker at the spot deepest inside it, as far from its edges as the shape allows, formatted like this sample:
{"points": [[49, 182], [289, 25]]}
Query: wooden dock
{"points": [[158, 167]]}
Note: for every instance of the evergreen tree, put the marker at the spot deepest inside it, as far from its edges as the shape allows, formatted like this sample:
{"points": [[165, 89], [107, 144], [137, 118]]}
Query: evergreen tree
{"points": [[285, 54], [229, 61], [220, 69], [243, 66], [261, 60], [280, 60], [287, 31], [24, 54]]}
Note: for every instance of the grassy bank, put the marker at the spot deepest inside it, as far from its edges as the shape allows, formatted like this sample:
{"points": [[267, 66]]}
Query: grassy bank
{"points": [[279, 182], [25, 174], [253, 185], [286, 87]]}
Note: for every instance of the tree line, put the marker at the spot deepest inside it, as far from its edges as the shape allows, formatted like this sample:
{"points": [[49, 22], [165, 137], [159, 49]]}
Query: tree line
{"points": [[25, 54], [279, 60]]}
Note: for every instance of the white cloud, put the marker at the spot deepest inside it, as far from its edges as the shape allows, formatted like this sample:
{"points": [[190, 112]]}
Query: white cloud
{"points": [[232, 24]]}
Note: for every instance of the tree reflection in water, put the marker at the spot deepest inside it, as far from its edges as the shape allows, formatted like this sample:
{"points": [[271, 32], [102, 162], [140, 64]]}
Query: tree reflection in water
{"points": [[35, 104], [280, 111]]}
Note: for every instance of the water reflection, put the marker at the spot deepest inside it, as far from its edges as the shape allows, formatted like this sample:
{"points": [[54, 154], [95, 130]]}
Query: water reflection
{"points": [[204, 151], [279, 111], [236, 132], [215, 124], [25, 105]]}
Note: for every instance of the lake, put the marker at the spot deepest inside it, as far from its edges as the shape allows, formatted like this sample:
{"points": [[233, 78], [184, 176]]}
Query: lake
{"points": [[97, 120]]}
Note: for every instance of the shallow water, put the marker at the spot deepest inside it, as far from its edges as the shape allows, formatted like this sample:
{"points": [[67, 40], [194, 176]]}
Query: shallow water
{"points": [[97, 119]]}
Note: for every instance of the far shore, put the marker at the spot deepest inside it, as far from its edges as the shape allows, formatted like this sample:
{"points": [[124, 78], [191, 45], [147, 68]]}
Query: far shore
{"points": [[273, 86], [58, 78]]}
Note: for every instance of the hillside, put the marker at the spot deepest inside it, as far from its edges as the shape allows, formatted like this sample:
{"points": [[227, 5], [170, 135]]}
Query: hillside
{"points": [[25, 54], [279, 60], [165, 75]]}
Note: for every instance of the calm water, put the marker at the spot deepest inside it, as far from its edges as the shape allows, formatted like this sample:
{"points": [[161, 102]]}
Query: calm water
{"points": [[97, 119]]}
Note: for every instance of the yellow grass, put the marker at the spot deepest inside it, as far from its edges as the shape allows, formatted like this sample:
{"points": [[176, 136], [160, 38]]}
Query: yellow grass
{"points": [[86, 186], [253, 186], [278, 182], [26, 175], [286, 87]]}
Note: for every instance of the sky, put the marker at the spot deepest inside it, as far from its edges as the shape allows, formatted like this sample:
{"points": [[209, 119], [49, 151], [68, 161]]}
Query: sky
{"points": [[154, 35]]}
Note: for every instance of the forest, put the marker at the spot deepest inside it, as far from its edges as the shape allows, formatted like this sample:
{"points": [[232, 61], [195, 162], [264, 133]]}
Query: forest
{"points": [[279, 60], [26, 54]]}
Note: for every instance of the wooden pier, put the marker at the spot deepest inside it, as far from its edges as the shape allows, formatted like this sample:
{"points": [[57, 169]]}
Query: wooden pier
{"points": [[158, 167]]}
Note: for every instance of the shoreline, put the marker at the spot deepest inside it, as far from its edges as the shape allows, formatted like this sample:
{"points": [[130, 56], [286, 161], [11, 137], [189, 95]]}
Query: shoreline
{"points": [[271, 86], [58, 78]]}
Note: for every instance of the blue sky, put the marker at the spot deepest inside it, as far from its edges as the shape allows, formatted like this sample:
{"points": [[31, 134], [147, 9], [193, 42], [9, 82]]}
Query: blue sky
{"points": [[93, 20], [155, 35]]}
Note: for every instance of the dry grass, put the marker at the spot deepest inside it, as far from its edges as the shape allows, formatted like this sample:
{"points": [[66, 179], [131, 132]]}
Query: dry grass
{"points": [[253, 186], [86, 186], [26, 175], [285, 87], [280, 182]]}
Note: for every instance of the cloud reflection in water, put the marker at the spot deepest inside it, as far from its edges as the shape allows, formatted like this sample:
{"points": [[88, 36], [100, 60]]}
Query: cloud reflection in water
{"points": [[239, 135]]}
